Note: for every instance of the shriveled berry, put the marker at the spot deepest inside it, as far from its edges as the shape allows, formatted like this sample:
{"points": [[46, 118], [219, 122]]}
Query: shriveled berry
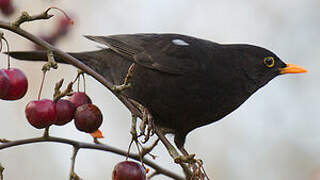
{"points": [[128, 170], [87, 118], [18, 84], [41, 113], [79, 98], [65, 111], [4, 84]]}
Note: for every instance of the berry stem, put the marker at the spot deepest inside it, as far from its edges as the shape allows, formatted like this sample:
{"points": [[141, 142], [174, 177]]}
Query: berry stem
{"points": [[8, 50], [46, 132], [64, 13], [41, 85], [84, 82]]}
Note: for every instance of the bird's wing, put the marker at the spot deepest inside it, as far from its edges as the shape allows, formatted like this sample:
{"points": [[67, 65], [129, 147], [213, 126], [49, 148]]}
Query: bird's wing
{"points": [[170, 53]]}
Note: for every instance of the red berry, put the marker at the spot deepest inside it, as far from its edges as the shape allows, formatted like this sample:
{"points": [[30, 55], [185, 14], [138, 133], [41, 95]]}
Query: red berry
{"points": [[79, 98], [87, 118], [18, 84], [41, 113], [65, 110], [128, 170], [6, 7], [4, 84], [5, 3], [8, 11]]}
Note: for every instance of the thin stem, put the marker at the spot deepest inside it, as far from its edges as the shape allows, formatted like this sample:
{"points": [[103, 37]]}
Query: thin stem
{"points": [[8, 49], [46, 132], [84, 82], [73, 160], [102, 147], [64, 13], [78, 85], [41, 85]]}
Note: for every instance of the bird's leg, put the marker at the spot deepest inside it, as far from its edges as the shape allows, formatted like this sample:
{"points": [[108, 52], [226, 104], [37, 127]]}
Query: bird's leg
{"points": [[147, 119], [133, 132], [126, 84], [134, 138]]}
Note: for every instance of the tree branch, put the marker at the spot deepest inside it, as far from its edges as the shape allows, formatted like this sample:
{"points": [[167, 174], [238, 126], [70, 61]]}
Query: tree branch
{"points": [[83, 145], [71, 60], [73, 175]]}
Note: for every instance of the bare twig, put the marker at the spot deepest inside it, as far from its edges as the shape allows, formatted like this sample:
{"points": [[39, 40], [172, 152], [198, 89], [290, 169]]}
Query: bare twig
{"points": [[73, 175], [25, 17], [83, 145], [51, 62], [58, 94]]}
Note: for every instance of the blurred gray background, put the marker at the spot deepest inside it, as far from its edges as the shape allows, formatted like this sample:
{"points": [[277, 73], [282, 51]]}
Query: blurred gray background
{"points": [[274, 135]]}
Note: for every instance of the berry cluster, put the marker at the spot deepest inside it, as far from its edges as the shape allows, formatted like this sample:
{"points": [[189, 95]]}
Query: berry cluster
{"points": [[43, 113]]}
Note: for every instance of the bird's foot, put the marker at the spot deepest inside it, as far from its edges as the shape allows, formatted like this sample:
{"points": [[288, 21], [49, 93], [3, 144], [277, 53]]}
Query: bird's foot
{"points": [[134, 138], [126, 84], [147, 125]]}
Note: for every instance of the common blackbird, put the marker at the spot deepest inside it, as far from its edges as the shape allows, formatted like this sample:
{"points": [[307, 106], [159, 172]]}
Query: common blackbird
{"points": [[184, 82]]}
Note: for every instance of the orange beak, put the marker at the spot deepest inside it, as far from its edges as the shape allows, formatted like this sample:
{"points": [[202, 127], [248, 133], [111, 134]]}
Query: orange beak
{"points": [[292, 68]]}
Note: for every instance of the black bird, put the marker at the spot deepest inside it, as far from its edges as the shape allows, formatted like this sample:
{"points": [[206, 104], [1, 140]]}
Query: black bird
{"points": [[184, 82]]}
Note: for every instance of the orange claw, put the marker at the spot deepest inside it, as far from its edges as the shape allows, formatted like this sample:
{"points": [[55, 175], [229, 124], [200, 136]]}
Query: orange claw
{"points": [[97, 134]]}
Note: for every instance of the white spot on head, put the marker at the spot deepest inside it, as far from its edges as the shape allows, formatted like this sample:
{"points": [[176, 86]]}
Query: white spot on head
{"points": [[180, 42]]}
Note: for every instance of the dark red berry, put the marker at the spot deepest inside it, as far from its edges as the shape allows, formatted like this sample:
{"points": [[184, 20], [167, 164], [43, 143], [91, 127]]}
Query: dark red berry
{"points": [[6, 7], [65, 110], [18, 84], [5, 3], [88, 118], [128, 170], [79, 98], [4, 84], [41, 113]]}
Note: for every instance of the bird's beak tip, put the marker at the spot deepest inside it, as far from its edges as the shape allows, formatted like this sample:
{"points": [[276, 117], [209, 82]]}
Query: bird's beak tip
{"points": [[292, 68]]}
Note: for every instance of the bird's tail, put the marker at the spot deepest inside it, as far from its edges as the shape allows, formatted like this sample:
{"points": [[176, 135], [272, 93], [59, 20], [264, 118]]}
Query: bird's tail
{"points": [[104, 61], [42, 55]]}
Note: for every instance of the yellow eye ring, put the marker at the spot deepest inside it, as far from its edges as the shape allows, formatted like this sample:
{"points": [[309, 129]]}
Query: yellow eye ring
{"points": [[269, 61]]}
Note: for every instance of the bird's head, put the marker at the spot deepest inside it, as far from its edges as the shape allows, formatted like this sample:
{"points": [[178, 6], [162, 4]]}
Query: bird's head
{"points": [[261, 65]]}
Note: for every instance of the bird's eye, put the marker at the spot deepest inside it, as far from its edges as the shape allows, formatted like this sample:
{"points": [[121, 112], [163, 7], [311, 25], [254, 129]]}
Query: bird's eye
{"points": [[269, 62]]}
